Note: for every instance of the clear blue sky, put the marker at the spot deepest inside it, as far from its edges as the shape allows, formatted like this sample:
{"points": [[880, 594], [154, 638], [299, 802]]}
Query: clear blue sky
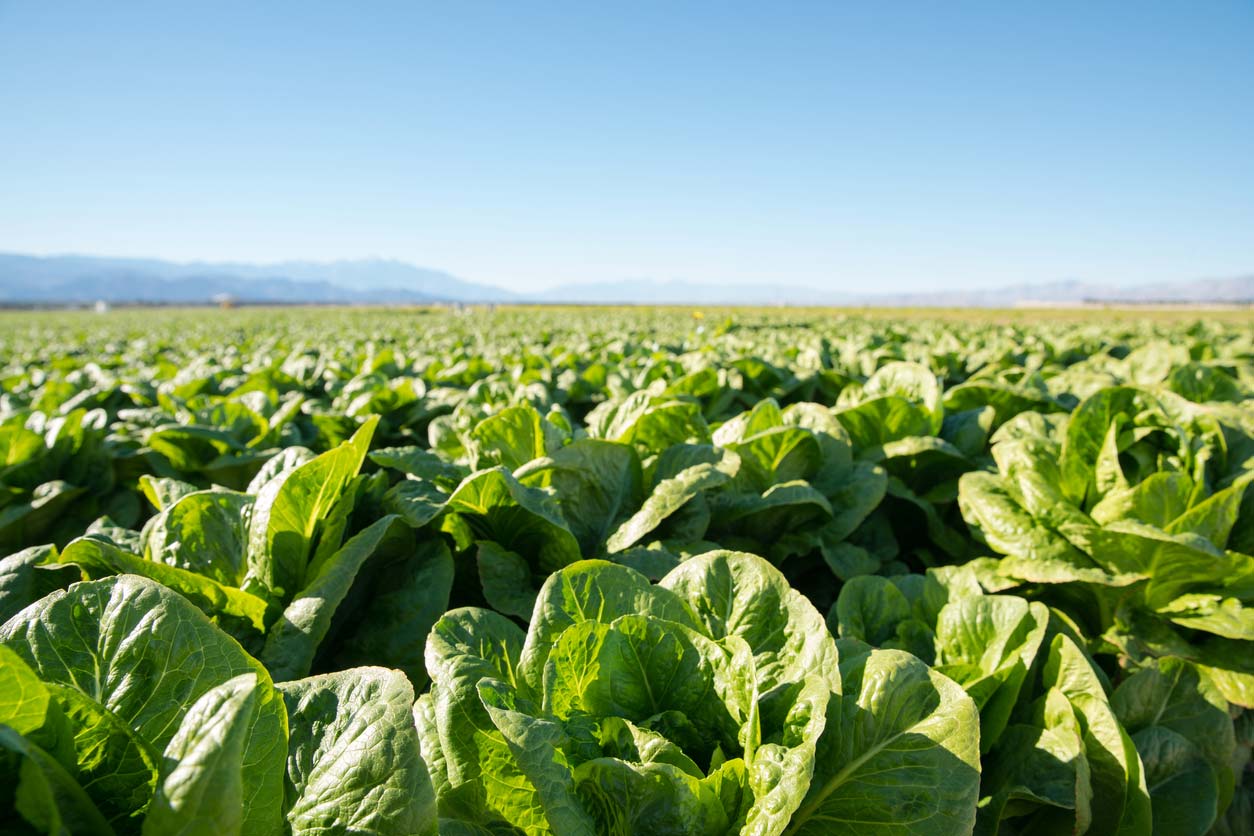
{"points": [[894, 146]]}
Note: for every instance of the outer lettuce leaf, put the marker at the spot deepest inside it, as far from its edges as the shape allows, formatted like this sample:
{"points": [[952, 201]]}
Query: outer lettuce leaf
{"points": [[509, 438], [43, 793], [99, 559], [354, 764], [1118, 777], [145, 654], [597, 484], [203, 532], [1180, 724], [289, 508], [200, 790], [520, 519], [988, 644], [292, 641], [24, 700], [673, 492], [116, 767], [901, 745], [396, 611], [1039, 774]]}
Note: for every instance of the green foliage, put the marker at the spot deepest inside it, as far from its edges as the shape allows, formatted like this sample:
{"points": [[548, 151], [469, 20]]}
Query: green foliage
{"points": [[564, 571]]}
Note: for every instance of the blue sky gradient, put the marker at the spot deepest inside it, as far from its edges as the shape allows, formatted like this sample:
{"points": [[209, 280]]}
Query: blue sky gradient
{"points": [[856, 146]]}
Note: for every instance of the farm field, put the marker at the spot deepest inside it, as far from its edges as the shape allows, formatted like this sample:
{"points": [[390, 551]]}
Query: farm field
{"points": [[614, 571]]}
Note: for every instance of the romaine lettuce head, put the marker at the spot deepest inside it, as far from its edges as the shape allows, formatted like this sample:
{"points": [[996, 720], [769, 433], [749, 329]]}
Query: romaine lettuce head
{"points": [[693, 706]]}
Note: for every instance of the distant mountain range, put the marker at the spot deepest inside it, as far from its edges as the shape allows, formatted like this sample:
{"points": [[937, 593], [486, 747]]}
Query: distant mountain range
{"points": [[71, 280], [78, 279]]}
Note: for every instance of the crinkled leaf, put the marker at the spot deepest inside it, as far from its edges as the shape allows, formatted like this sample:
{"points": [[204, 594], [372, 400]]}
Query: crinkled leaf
{"points": [[354, 764], [901, 746]]}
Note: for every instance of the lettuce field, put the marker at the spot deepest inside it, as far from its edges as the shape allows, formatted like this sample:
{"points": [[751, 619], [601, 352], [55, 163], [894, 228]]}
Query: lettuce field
{"points": [[626, 571]]}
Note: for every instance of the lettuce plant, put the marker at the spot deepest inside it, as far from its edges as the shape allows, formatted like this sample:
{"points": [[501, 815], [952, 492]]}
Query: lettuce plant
{"points": [[280, 568], [124, 710], [1130, 505], [698, 705], [1051, 737]]}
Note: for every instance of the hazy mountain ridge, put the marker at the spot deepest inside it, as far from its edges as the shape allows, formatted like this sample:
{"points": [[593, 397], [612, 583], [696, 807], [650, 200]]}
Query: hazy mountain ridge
{"points": [[75, 279]]}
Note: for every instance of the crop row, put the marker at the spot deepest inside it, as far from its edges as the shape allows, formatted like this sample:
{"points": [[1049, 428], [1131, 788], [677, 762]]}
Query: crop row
{"points": [[625, 572]]}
